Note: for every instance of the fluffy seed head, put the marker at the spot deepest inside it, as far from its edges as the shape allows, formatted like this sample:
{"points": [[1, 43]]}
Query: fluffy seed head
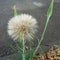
{"points": [[23, 23]]}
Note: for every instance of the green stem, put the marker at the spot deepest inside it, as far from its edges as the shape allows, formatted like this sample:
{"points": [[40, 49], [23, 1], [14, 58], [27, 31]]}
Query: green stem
{"points": [[49, 14], [23, 49], [42, 37]]}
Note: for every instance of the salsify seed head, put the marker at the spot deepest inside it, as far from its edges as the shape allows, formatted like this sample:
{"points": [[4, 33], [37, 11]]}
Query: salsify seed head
{"points": [[23, 23]]}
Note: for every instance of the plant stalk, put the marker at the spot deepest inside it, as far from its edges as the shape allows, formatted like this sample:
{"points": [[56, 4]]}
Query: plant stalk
{"points": [[23, 55], [42, 37], [49, 14]]}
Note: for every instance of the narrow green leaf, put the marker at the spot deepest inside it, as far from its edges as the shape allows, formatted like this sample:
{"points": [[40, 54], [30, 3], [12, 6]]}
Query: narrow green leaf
{"points": [[15, 11]]}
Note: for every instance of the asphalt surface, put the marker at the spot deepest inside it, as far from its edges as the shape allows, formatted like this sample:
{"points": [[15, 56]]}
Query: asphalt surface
{"points": [[52, 35]]}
